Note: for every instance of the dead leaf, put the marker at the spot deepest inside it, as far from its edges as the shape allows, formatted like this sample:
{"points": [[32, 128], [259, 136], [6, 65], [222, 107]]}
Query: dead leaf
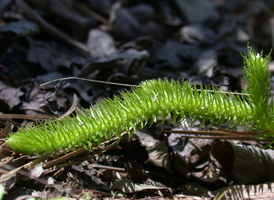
{"points": [[10, 96], [156, 149], [129, 186], [7, 130], [235, 192], [244, 164], [21, 28]]}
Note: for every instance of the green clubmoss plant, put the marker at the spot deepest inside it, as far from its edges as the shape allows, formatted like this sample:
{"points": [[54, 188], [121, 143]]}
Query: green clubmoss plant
{"points": [[155, 98]]}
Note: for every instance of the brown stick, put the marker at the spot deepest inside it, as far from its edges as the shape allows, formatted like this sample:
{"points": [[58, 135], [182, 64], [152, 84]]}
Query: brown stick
{"points": [[51, 29]]}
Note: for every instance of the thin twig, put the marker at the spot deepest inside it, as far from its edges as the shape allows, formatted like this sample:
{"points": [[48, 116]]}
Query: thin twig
{"points": [[233, 135], [53, 31], [25, 116], [214, 132], [85, 79], [82, 151], [92, 13], [121, 84], [228, 138]]}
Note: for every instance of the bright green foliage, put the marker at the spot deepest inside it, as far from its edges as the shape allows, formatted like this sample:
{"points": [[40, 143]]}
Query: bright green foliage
{"points": [[257, 78], [152, 99]]}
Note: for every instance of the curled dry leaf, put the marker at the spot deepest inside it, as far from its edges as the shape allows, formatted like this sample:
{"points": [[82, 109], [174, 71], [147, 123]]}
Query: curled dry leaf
{"points": [[244, 164]]}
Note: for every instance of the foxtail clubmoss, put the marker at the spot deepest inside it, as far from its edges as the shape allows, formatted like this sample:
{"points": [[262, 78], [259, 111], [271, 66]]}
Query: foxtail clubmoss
{"points": [[155, 98]]}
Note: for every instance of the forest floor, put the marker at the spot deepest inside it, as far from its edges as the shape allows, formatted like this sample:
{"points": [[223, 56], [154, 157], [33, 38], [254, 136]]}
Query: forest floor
{"points": [[52, 52]]}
